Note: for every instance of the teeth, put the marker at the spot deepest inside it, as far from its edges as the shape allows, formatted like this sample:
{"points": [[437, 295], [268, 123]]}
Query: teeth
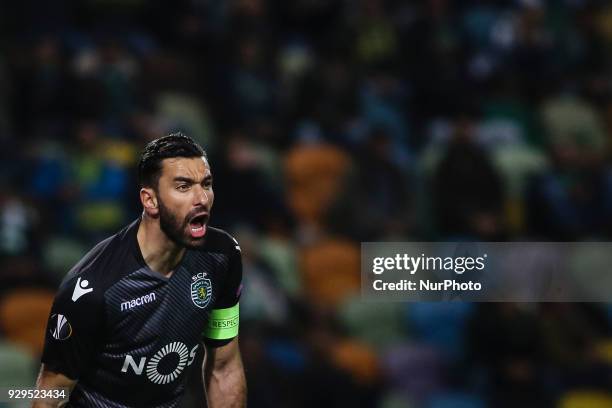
{"points": [[196, 228]]}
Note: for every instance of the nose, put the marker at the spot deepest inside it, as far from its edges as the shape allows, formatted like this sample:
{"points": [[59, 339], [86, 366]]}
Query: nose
{"points": [[203, 197]]}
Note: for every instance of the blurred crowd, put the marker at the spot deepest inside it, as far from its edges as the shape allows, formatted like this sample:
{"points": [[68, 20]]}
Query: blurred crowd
{"points": [[327, 123]]}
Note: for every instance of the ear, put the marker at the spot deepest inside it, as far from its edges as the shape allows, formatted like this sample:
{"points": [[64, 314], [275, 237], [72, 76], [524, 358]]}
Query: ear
{"points": [[148, 198]]}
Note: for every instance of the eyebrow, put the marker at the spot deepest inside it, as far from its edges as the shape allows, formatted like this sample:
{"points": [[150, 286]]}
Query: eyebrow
{"points": [[189, 179]]}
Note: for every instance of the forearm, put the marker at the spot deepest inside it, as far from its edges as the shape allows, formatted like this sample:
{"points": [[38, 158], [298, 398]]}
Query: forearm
{"points": [[48, 380], [226, 386], [48, 404]]}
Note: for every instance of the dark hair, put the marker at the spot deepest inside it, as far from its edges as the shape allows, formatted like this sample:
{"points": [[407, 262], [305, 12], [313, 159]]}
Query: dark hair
{"points": [[172, 145]]}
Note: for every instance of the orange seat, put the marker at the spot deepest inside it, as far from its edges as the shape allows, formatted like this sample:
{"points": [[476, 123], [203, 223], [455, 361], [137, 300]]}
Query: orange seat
{"points": [[314, 177], [357, 359], [23, 317], [330, 271]]}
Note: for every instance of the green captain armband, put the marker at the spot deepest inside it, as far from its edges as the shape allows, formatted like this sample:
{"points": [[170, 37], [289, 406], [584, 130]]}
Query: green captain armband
{"points": [[223, 323]]}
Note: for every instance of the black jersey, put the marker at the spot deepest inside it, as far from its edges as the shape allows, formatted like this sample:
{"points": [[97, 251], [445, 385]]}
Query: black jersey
{"points": [[128, 334]]}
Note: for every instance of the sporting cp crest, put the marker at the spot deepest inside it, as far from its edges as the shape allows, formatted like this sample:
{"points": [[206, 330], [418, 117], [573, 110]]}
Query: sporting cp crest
{"points": [[201, 291]]}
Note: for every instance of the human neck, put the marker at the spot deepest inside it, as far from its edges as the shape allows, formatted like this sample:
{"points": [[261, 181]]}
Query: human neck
{"points": [[160, 253]]}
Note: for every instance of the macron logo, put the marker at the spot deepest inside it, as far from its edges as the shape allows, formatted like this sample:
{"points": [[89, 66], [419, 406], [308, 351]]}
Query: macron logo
{"points": [[80, 289], [138, 301]]}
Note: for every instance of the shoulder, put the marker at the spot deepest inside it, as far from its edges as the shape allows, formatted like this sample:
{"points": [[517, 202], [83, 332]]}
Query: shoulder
{"points": [[101, 266], [220, 248], [218, 240]]}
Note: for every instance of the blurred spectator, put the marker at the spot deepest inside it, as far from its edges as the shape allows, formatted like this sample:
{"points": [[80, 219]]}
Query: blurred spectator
{"points": [[506, 342], [467, 192], [574, 198], [377, 204]]}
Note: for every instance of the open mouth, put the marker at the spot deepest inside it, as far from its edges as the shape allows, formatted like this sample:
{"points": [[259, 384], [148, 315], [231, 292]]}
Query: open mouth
{"points": [[197, 225]]}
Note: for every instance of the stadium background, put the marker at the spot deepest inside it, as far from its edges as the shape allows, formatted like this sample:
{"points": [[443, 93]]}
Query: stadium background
{"points": [[327, 123]]}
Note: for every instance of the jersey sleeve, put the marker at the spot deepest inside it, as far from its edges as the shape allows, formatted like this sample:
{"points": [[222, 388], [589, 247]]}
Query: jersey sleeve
{"points": [[224, 318], [74, 328]]}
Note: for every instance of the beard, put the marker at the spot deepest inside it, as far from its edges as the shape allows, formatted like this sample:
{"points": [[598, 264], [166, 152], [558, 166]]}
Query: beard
{"points": [[175, 228]]}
